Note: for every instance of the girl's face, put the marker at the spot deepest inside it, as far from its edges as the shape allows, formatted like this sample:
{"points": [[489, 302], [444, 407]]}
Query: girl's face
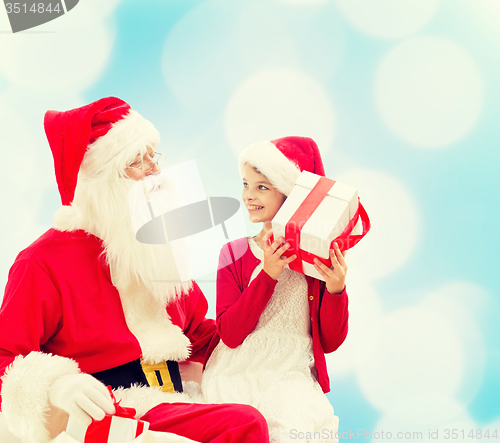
{"points": [[261, 198]]}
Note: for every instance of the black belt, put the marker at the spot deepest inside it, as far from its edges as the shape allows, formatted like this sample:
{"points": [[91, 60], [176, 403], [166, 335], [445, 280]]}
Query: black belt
{"points": [[165, 375]]}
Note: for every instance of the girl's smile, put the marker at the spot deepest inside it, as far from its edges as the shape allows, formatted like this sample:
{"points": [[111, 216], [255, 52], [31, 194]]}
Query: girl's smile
{"points": [[253, 208]]}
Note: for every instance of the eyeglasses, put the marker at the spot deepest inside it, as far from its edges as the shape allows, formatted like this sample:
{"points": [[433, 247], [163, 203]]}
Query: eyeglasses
{"points": [[157, 159]]}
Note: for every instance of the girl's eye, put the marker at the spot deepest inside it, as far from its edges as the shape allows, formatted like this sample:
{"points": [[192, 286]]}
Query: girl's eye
{"points": [[263, 188], [245, 185]]}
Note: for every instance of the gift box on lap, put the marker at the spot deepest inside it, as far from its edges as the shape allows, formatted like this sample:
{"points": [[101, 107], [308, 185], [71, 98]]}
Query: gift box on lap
{"points": [[318, 212], [119, 428]]}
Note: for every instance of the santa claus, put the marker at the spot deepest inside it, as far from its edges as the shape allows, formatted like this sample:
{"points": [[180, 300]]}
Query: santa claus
{"points": [[86, 305]]}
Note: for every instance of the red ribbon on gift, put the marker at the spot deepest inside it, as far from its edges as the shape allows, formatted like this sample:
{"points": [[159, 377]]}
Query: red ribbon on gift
{"points": [[98, 431], [305, 211], [121, 411]]}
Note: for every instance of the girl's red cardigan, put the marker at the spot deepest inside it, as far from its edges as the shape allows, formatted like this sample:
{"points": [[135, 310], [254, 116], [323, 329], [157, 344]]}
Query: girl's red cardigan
{"points": [[239, 306]]}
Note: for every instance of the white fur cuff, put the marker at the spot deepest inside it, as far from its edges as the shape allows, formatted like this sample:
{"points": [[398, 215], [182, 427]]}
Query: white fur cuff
{"points": [[25, 397]]}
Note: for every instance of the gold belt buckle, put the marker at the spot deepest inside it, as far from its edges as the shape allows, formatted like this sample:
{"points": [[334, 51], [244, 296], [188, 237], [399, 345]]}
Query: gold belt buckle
{"points": [[158, 375]]}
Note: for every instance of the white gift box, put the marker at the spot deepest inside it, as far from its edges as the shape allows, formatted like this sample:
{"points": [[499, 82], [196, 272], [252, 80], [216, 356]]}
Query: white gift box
{"points": [[112, 429], [146, 437], [327, 221], [176, 208]]}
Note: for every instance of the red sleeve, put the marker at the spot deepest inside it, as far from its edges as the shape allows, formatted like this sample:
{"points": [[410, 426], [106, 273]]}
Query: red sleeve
{"points": [[333, 319], [30, 312], [197, 327], [238, 308]]}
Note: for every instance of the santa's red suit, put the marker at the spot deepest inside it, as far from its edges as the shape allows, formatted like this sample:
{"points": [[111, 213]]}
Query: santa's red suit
{"points": [[65, 312], [60, 300]]}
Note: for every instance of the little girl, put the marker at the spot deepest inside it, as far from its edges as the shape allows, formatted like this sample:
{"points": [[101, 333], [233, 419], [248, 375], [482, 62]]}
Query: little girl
{"points": [[274, 325]]}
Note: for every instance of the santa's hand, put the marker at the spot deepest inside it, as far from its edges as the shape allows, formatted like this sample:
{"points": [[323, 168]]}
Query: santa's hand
{"points": [[82, 396]]}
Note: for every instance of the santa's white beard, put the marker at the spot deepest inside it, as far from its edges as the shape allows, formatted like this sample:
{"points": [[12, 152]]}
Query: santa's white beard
{"points": [[103, 210]]}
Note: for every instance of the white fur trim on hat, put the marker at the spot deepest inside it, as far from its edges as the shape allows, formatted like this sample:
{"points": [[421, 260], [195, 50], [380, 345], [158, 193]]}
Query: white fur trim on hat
{"points": [[113, 151], [271, 162], [25, 393]]}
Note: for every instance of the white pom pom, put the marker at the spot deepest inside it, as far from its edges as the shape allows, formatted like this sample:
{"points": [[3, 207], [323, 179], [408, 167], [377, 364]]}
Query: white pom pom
{"points": [[67, 219]]}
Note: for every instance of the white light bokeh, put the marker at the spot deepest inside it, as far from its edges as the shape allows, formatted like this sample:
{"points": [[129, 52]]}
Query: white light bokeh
{"points": [[4, 22], [276, 103], [415, 367], [56, 61], [272, 45], [388, 18], [460, 303], [364, 326], [18, 152], [32, 105], [395, 223], [200, 60], [429, 91], [276, 39], [488, 12], [423, 364]]}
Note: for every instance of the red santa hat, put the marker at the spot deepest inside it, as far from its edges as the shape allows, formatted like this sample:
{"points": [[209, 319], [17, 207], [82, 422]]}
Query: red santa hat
{"points": [[282, 160], [108, 128]]}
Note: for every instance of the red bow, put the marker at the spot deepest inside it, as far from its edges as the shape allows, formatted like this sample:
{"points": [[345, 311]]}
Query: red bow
{"points": [[346, 240], [121, 411]]}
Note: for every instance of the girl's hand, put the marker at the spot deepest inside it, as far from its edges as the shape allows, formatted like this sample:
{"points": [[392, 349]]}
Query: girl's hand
{"points": [[273, 263], [335, 276]]}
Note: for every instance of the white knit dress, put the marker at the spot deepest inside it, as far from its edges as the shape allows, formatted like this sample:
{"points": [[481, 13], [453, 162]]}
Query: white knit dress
{"points": [[273, 368]]}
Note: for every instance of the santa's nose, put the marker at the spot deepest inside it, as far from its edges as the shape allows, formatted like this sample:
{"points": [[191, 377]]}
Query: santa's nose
{"points": [[155, 169]]}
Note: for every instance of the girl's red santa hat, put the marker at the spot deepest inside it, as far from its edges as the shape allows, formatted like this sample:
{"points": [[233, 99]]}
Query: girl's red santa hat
{"points": [[282, 160], [101, 139]]}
